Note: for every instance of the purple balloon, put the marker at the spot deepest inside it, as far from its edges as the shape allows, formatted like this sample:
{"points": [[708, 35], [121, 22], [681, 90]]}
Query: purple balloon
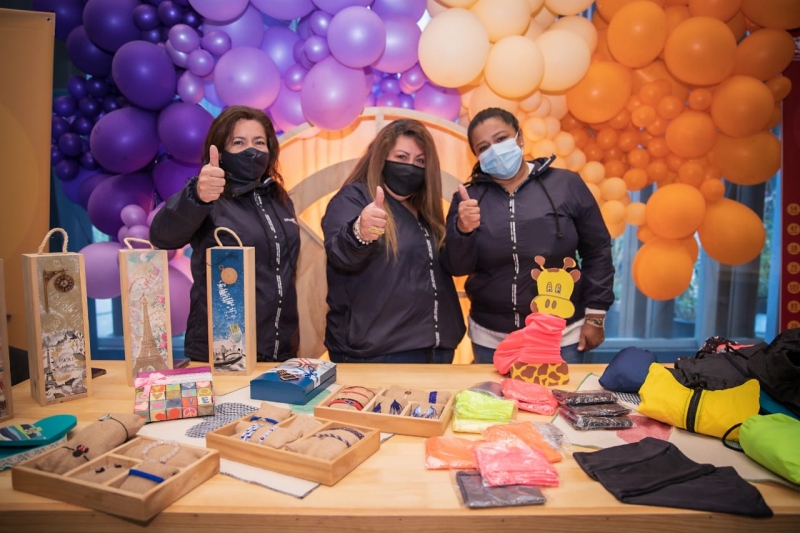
{"points": [[406, 102], [190, 88], [287, 111], [246, 30], [179, 59], [145, 17], [88, 161], [55, 155], [85, 187], [182, 129], [334, 6], [97, 87], [297, 50], [247, 76], [184, 38], [65, 106], [217, 42], [294, 77], [69, 14], [332, 94], [219, 10], [319, 22], [109, 23], [211, 95], [82, 125], [170, 176], [144, 74], [412, 79], [388, 100], [139, 231], [370, 101], [284, 9], [316, 48], [279, 43], [76, 87], [112, 195], [133, 214], [402, 41], [410, 8], [179, 302], [86, 55], [101, 263], [169, 13], [200, 63], [152, 36], [58, 127], [110, 104], [390, 85], [192, 19], [125, 140], [66, 169], [356, 37], [122, 233], [70, 144], [89, 107], [439, 101]]}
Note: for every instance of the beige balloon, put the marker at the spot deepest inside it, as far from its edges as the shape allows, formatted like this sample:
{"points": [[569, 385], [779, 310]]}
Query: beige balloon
{"points": [[558, 105], [535, 5], [566, 59], [453, 48], [515, 67], [458, 3], [435, 7], [576, 160], [534, 30], [503, 18], [531, 103], [484, 97], [553, 126], [568, 7], [534, 129], [543, 110], [580, 26], [544, 17]]}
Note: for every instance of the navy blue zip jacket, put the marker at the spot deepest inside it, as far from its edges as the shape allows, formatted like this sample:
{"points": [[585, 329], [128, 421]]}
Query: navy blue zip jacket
{"points": [[379, 306], [185, 219], [551, 213]]}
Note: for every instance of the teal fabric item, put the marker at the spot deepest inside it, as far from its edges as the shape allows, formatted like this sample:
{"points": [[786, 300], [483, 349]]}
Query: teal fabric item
{"points": [[771, 441], [770, 406]]}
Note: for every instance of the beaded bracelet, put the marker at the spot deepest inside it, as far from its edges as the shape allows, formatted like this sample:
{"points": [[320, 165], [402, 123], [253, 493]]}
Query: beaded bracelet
{"points": [[145, 475], [333, 435], [266, 434], [348, 401], [249, 431], [264, 418], [348, 391], [350, 430], [596, 322], [357, 231], [163, 460]]}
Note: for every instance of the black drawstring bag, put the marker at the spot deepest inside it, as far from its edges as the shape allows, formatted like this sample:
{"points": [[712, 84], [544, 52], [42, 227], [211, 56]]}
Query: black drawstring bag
{"points": [[777, 368], [655, 472]]}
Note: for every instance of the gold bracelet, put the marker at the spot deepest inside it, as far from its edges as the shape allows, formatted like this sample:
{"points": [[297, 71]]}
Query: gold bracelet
{"points": [[596, 322]]}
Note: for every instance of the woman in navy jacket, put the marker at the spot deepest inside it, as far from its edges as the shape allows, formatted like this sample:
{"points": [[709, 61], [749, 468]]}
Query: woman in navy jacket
{"points": [[390, 299], [239, 188], [510, 212]]}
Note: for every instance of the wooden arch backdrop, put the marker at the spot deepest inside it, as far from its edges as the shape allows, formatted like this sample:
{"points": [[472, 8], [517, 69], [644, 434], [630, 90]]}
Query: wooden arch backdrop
{"points": [[315, 163]]}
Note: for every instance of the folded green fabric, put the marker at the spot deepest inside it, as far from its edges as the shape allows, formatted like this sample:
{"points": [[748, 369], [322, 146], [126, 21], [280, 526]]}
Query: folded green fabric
{"points": [[478, 406], [772, 442]]}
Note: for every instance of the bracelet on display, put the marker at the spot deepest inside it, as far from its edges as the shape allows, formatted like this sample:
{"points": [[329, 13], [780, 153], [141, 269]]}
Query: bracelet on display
{"points": [[355, 432], [357, 231], [348, 401], [163, 460], [145, 475], [596, 322], [332, 435]]}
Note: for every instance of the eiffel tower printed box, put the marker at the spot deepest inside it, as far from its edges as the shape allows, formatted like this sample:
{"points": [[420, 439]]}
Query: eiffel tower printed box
{"points": [[230, 274], [59, 355], [146, 326], [6, 410]]}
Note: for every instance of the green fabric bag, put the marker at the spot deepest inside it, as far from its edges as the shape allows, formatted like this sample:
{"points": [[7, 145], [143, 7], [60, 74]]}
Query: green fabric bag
{"points": [[772, 441]]}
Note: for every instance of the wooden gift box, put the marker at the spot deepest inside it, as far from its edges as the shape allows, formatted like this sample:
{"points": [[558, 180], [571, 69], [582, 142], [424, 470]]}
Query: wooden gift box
{"points": [[107, 497], [146, 324], [402, 424], [174, 394], [59, 355], [295, 464], [230, 275], [6, 405], [294, 381]]}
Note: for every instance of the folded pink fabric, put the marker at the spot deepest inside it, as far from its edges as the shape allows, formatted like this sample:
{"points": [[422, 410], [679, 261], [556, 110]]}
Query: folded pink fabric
{"points": [[530, 396], [538, 342]]}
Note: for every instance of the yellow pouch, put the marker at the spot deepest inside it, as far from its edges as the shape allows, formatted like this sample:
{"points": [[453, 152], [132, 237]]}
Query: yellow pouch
{"points": [[696, 410]]}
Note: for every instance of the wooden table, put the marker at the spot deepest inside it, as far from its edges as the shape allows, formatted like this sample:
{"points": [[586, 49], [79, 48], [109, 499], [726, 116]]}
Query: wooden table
{"points": [[391, 491]]}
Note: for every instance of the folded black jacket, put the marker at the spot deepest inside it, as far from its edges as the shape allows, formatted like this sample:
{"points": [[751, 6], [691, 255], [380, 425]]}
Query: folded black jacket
{"points": [[186, 220]]}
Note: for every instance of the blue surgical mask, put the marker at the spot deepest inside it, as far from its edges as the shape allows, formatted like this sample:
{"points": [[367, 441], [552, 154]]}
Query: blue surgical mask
{"points": [[502, 160]]}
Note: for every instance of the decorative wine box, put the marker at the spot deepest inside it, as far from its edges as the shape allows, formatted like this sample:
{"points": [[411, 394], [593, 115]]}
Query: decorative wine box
{"points": [[230, 274], [146, 326], [75, 486], [59, 355], [294, 381], [6, 405]]}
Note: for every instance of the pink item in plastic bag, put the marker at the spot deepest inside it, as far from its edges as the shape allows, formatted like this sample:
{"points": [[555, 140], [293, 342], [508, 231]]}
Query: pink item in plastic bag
{"points": [[530, 396], [538, 342], [513, 463]]}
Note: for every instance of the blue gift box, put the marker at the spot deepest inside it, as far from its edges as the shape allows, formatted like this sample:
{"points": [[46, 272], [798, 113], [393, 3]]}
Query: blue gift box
{"points": [[294, 381]]}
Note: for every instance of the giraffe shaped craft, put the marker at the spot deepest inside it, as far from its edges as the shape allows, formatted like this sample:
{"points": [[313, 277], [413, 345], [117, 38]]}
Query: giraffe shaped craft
{"points": [[533, 353], [144, 281]]}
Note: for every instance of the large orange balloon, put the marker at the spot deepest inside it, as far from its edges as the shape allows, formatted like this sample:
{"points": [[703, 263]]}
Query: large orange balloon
{"points": [[657, 70], [764, 54], [637, 33], [662, 269], [742, 106], [675, 211], [783, 14], [701, 51], [609, 8], [691, 134], [731, 233], [718, 9], [747, 160], [602, 93]]}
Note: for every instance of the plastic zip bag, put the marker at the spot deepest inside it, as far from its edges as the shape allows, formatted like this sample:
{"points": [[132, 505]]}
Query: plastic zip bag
{"points": [[513, 463], [582, 423], [583, 398], [475, 495]]}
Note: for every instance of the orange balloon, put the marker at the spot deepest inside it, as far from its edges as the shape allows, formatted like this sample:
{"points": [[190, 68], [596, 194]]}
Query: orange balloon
{"points": [[737, 25], [747, 160], [592, 151], [613, 188], [635, 213], [662, 269], [617, 229], [643, 115], [691, 134], [675, 211], [633, 102], [700, 99], [777, 116], [691, 173], [593, 172], [613, 212], [670, 107], [595, 190], [712, 172], [718, 9], [637, 33], [764, 54], [602, 93], [580, 135], [657, 70], [657, 171], [644, 138], [658, 127], [783, 14], [690, 243], [675, 15], [638, 158], [609, 8], [569, 122], [606, 138], [712, 190], [615, 168], [731, 233], [621, 120], [701, 51], [644, 234], [780, 87], [750, 25], [742, 106], [635, 179], [674, 162], [628, 140], [612, 154]]}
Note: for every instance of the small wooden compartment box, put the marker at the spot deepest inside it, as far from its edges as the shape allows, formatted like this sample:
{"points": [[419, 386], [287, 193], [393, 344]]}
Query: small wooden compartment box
{"points": [[106, 496], [402, 424], [295, 464]]}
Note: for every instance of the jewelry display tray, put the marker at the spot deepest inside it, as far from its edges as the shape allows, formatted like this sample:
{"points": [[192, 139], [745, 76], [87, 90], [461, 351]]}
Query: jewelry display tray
{"points": [[295, 464], [402, 424], [106, 496]]}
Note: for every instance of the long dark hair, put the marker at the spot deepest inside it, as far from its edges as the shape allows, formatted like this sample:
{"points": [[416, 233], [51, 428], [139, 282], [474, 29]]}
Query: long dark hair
{"points": [[480, 118], [428, 200], [221, 131]]}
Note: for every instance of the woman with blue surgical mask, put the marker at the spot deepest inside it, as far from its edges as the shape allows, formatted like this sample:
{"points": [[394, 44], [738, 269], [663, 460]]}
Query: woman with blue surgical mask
{"points": [[510, 211]]}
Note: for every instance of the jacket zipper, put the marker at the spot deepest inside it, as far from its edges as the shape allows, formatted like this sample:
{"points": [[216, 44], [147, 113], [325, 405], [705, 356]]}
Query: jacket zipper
{"points": [[691, 412]]}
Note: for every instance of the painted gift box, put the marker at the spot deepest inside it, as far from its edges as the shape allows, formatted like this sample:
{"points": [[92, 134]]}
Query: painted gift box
{"points": [[294, 381], [174, 394]]}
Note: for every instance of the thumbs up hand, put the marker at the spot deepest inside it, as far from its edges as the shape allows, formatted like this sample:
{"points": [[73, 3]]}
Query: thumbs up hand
{"points": [[211, 181], [469, 214], [372, 222]]}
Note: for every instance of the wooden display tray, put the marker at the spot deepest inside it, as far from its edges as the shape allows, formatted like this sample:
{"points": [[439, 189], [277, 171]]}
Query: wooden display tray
{"points": [[107, 497], [291, 463], [402, 424]]}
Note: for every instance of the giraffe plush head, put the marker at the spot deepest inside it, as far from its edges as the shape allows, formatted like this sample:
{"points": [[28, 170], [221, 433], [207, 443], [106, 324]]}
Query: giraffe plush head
{"points": [[555, 286]]}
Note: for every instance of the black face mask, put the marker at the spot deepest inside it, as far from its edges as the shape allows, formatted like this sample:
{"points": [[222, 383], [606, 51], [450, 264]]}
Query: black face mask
{"points": [[243, 170], [403, 179]]}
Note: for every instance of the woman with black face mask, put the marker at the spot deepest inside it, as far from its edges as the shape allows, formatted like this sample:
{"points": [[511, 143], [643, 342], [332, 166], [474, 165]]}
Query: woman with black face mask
{"points": [[390, 300], [239, 188]]}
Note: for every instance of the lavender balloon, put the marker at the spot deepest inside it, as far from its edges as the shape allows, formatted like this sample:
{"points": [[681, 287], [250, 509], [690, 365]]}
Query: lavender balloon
{"points": [[125, 140], [179, 59], [402, 41], [200, 63], [294, 76], [182, 129], [284, 9], [219, 10], [190, 88], [287, 111], [390, 85], [101, 263], [85, 187], [406, 102], [144, 74], [86, 55], [412, 80], [112, 195], [297, 50], [319, 22], [278, 43], [246, 30], [334, 6], [109, 23], [356, 37], [184, 38], [170, 176], [332, 94], [370, 100], [216, 41], [316, 48], [247, 76], [388, 100], [439, 101], [211, 95], [410, 8], [179, 288], [133, 214]]}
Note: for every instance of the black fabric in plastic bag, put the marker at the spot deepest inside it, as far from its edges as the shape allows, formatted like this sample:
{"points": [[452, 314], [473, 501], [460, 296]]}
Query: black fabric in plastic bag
{"points": [[476, 496], [583, 398], [583, 423]]}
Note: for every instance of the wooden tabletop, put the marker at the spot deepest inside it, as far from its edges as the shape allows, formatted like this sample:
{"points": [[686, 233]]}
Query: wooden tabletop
{"points": [[391, 491]]}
